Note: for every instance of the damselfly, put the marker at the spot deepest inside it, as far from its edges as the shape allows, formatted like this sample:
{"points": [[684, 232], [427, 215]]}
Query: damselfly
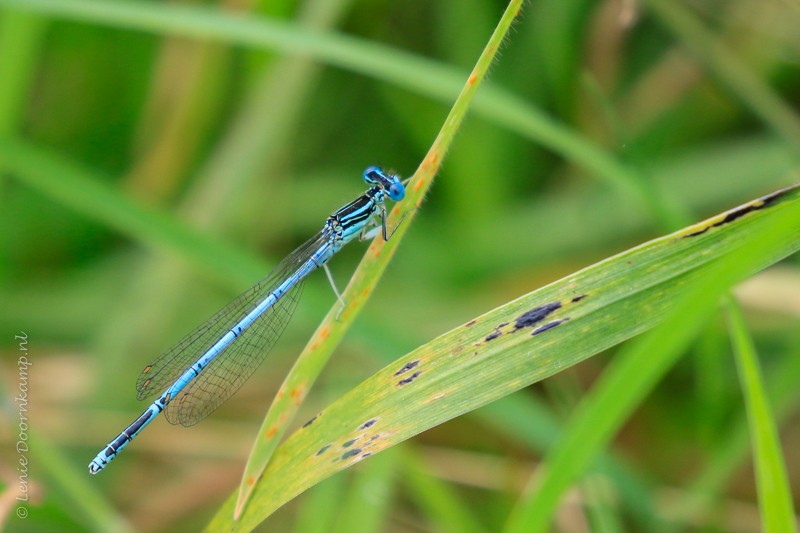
{"points": [[207, 366]]}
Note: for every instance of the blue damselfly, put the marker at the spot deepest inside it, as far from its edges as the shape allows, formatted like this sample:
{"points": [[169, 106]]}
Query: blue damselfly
{"points": [[211, 363]]}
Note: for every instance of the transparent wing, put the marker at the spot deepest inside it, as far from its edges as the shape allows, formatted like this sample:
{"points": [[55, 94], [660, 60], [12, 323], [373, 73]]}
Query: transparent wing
{"points": [[228, 372], [233, 366]]}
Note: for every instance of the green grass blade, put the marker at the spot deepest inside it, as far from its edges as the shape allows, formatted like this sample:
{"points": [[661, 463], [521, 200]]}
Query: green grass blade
{"points": [[20, 42], [379, 61], [88, 193], [321, 506], [316, 353], [525, 419], [600, 510], [367, 503], [524, 341], [774, 492], [635, 371], [438, 501], [699, 500]]}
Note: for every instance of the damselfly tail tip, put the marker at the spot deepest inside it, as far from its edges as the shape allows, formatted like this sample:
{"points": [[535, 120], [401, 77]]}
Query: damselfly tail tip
{"points": [[94, 467]]}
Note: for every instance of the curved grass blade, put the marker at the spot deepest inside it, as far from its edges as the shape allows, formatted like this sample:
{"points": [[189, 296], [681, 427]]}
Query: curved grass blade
{"points": [[319, 348], [774, 492], [524, 341], [757, 234]]}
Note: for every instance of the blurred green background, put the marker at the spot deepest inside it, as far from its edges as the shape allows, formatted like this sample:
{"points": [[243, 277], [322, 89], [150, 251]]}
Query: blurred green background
{"points": [[148, 176]]}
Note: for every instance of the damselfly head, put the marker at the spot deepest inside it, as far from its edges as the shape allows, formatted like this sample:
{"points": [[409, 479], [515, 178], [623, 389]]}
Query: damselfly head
{"points": [[387, 181]]}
